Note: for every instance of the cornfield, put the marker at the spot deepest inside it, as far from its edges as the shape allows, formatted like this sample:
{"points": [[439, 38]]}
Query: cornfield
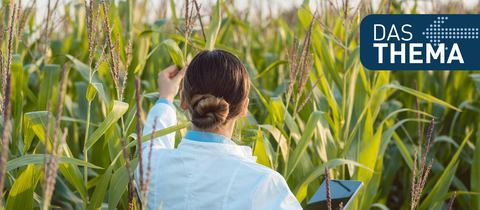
{"points": [[77, 86]]}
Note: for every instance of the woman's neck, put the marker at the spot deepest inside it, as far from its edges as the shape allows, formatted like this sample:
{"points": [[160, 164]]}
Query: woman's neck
{"points": [[225, 130]]}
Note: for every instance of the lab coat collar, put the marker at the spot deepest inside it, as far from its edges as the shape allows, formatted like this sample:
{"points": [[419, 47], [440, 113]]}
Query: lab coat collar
{"points": [[216, 149], [207, 137]]}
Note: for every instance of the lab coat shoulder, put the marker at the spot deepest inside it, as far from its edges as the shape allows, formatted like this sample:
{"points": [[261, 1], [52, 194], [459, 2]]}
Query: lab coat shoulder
{"points": [[162, 115], [271, 190]]}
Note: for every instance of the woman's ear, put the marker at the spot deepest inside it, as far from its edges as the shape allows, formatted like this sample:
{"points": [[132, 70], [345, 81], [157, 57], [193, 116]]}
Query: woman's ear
{"points": [[183, 105], [244, 111]]}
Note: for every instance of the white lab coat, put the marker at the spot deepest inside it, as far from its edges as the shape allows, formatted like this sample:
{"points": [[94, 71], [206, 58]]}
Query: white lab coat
{"points": [[206, 174]]}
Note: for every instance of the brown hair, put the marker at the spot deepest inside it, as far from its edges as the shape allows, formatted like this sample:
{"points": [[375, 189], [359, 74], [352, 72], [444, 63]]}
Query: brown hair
{"points": [[215, 88]]}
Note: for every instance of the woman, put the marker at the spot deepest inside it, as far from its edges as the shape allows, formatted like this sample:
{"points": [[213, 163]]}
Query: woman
{"points": [[208, 170]]}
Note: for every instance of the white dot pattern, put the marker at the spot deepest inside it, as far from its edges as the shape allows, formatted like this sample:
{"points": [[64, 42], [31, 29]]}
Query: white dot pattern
{"points": [[458, 33]]}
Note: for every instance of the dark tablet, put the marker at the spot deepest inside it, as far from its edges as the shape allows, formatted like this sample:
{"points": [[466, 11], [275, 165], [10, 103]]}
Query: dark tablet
{"points": [[341, 191]]}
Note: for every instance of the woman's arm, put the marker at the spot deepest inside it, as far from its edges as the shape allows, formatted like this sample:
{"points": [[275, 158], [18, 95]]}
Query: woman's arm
{"points": [[165, 113], [164, 110]]}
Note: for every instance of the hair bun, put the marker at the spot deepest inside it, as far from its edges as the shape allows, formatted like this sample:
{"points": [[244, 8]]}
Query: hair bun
{"points": [[208, 111]]}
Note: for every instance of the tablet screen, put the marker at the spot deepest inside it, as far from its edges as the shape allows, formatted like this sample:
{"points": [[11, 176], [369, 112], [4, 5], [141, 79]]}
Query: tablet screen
{"points": [[340, 191]]}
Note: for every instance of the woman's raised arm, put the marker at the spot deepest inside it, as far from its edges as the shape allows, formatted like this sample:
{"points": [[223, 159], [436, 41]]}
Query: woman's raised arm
{"points": [[164, 110]]}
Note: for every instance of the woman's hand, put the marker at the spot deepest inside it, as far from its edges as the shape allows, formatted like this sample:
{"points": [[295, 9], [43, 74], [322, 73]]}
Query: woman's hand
{"points": [[169, 82]]}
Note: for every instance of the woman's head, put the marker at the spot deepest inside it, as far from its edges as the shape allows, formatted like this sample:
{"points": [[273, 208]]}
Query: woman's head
{"points": [[215, 89]]}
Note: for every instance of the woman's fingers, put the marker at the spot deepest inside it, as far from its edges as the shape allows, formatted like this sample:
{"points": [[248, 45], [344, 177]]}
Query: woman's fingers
{"points": [[169, 82], [180, 75], [171, 69], [169, 72]]}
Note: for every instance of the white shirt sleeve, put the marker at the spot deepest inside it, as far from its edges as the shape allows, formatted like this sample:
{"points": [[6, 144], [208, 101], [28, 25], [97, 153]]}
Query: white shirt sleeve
{"points": [[272, 193], [165, 113]]}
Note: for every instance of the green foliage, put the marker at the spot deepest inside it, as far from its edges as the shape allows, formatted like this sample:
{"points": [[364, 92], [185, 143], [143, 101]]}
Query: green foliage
{"points": [[175, 53], [118, 108], [443, 183], [38, 159], [21, 194], [214, 27]]}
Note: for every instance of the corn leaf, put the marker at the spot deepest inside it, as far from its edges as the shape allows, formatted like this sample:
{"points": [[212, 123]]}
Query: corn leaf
{"points": [[100, 89], [303, 143], [371, 188], [277, 109], [260, 152], [17, 97], [119, 183], [69, 171], [368, 157], [380, 206], [49, 86], [69, 119], [83, 69], [420, 95], [101, 189], [119, 108], [387, 135], [214, 27], [175, 53], [146, 58], [174, 13], [21, 194], [403, 151], [447, 196], [91, 92], [353, 57], [279, 137], [142, 44], [28, 136], [160, 133], [270, 67], [38, 159], [30, 94], [93, 182]]}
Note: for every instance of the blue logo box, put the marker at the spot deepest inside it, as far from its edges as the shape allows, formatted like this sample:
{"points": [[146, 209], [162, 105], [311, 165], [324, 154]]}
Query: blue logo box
{"points": [[420, 42]]}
